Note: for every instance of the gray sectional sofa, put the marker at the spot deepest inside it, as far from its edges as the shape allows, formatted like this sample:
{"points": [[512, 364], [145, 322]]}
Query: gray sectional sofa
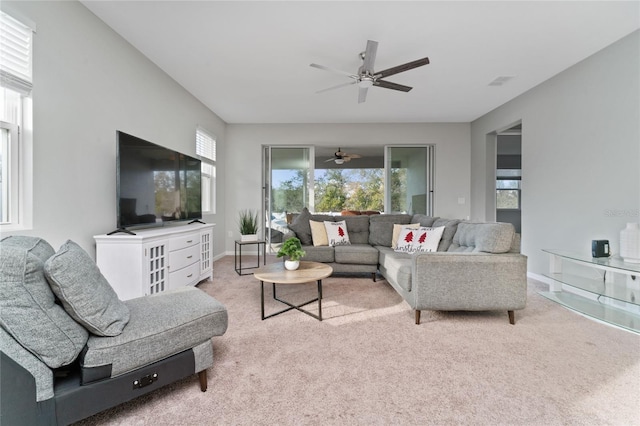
{"points": [[477, 267], [69, 348]]}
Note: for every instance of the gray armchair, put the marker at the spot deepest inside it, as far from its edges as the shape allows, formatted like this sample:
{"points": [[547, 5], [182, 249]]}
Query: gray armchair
{"points": [[70, 348]]}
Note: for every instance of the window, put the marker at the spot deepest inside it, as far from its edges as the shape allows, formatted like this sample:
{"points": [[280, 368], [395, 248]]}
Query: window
{"points": [[508, 189], [15, 123], [206, 150]]}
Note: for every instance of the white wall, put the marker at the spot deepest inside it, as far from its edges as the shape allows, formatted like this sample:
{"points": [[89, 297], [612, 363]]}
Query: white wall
{"points": [[580, 154], [244, 158], [88, 83]]}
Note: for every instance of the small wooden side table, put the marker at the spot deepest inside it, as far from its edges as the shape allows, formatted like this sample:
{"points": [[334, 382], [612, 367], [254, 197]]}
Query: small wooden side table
{"points": [[238, 255]]}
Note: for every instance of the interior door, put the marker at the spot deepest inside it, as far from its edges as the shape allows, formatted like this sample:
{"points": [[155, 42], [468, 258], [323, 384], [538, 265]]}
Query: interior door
{"points": [[509, 177]]}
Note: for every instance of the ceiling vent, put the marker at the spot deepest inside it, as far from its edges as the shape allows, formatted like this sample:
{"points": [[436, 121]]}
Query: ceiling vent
{"points": [[499, 81]]}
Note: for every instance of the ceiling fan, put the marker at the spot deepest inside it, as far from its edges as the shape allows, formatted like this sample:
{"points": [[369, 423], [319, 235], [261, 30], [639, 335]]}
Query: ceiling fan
{"points": [[341, 157], [367, 77]]}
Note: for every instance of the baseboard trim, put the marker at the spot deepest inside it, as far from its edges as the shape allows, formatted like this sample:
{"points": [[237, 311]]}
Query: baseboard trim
{"points": [[539, 278]]}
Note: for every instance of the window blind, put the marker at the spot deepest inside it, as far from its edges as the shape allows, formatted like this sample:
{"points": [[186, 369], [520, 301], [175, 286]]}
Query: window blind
{"points": [[205, 144], [15, 54]]}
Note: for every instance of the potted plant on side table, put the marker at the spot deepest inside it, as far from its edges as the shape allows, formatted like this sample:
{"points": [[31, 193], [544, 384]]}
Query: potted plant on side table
{"points": [[248, 224], [292, 248]]}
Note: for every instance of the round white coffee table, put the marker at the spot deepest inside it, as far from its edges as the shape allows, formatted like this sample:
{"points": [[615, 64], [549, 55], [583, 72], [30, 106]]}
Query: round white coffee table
{"points": [[275, 273]]}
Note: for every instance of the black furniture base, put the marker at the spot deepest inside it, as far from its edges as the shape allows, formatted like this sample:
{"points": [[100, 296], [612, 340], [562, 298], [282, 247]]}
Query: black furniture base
{"points": [[292, 306], [73, 402]]}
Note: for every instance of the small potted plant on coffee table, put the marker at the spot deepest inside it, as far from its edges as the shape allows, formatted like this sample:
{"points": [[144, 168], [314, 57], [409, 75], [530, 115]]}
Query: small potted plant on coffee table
{"points": [[248, 224], [292, 248]]}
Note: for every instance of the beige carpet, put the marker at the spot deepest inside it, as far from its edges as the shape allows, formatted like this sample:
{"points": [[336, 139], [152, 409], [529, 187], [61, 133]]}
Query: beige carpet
{"points": [[367, 363]]}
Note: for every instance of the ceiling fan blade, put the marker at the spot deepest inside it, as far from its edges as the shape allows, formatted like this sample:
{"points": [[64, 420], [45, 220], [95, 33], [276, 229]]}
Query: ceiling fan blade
{"points": [[362, 94], [390, 85], [370, 56], [322, 67], [402, 68], [353, 155], [337, 87]]}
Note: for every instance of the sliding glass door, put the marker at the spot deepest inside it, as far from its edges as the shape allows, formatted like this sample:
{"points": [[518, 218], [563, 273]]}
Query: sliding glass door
{"points": [[409, 173], [287, 185], [291, 182]]}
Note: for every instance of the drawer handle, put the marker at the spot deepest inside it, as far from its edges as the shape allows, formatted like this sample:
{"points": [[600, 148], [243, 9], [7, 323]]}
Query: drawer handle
{"points": [[189, 276], [189, 241], [189, 257]]}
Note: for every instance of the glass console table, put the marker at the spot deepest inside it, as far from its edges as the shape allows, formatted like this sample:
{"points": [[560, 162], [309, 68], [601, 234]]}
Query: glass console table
{"points": [[611, 293]]}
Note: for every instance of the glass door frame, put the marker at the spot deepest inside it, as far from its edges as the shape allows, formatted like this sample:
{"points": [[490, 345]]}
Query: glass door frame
{"points": [[267, 162], [430, 163]]}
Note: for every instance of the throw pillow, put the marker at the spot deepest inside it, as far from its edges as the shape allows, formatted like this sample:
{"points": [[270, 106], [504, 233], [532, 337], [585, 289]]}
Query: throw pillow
{"points": [[422, 239], [84, 291], [301, 227], [28, 311], [397, 227], [337, 233], [318, 233], [428, 239]]}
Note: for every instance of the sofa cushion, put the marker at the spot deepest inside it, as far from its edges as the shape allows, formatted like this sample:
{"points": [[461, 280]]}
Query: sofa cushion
{"points": [[28, 311], [337, 233], [396, 267], [358, 254], [358, 228], [84, 291], [323, 254], [302, 228], [483, 237], [381, 227], [35, 245], [318, 233], [450, 228], [160, 325], [424, 220]]}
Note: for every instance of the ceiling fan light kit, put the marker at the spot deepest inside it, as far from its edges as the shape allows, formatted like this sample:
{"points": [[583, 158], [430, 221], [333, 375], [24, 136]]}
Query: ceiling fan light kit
{"points": [[341, 157], [367, 77]]}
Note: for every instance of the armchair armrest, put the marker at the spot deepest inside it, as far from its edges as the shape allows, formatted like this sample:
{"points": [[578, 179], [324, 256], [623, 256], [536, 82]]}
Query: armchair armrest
{"points": [[469, 281]]}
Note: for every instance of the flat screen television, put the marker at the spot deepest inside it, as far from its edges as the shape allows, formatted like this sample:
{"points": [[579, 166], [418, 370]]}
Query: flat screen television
{"points": [[155, 185]]}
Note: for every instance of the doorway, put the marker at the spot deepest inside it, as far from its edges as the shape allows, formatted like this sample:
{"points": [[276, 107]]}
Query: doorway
{"points": [[509, 176]]}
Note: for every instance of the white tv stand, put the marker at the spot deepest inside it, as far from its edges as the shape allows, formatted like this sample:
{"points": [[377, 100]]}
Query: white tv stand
{"points": [[157, 259]]}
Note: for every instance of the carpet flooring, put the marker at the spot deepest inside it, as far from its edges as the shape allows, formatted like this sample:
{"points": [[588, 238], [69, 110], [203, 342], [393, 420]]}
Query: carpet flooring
{"points": [[367, 363]]}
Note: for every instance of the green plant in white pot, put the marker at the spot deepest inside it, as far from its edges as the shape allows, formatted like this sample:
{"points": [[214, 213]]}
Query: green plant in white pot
{"points": [[248, 224], [292, 248]]}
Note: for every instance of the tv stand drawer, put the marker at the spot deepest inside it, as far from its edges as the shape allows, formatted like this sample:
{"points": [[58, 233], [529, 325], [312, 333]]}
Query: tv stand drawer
{"points": [[185, 276], [178, 259], [179, 242]]}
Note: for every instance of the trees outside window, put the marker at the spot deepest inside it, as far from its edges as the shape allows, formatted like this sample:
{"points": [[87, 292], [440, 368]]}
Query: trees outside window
{"points": [[349, 189]]}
